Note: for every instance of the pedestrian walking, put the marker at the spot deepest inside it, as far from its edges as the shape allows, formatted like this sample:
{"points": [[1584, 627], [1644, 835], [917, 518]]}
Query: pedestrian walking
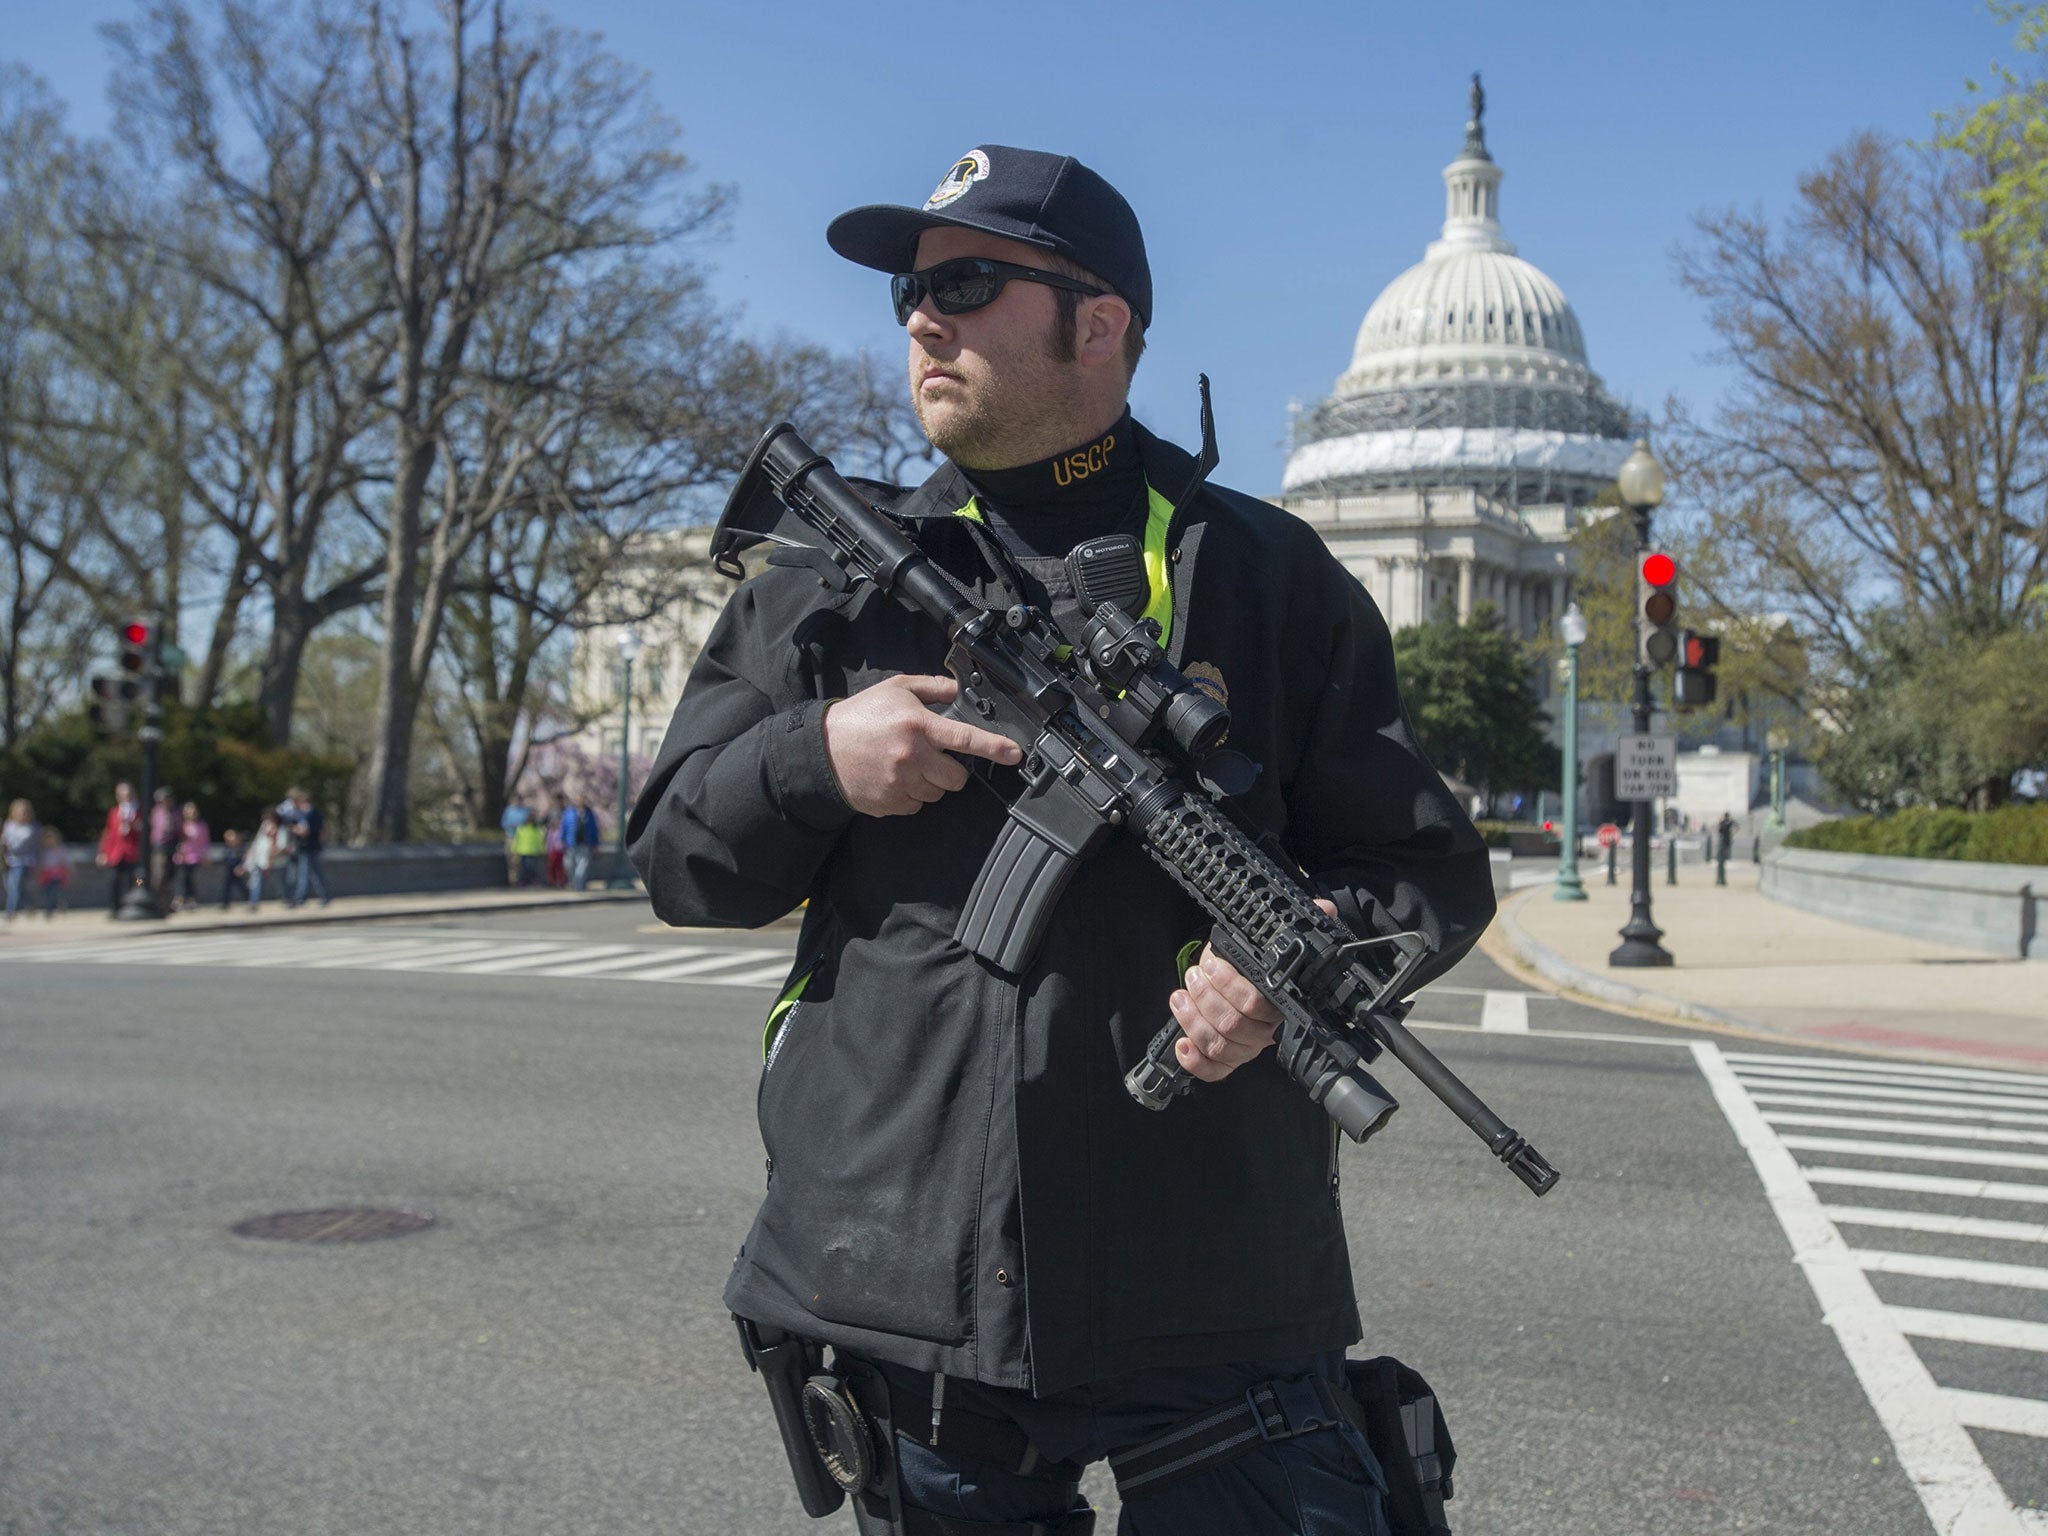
{"points": [[164, 828], [589, 834], [234, 880], [529, 842], [121, 845], [285, 852], [265, 853], [577, 821], [517, 814], [309, 843], [53, 873], [194, 847], [558, 869], [19, 839]]}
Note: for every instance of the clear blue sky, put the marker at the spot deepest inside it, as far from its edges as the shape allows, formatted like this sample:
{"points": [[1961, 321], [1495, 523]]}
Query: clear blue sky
{"points": [[1282, 157]]}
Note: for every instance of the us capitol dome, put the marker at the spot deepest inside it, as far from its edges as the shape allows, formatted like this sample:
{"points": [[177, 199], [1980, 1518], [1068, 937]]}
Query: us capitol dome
{"points": [[1463, 445]]}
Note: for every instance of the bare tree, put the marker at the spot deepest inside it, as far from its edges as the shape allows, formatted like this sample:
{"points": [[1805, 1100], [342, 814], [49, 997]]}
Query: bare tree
{"points": [[522, 155], [1883, 451]]}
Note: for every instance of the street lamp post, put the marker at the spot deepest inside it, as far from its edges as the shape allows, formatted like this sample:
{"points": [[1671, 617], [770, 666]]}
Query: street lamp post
{"points": [[629, 648], [1777, 741], [1573, 628], [1641, 483]]}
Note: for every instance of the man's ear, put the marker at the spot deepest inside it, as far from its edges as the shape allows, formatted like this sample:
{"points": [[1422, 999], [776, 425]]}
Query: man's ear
{"points": [[1102, 323]]}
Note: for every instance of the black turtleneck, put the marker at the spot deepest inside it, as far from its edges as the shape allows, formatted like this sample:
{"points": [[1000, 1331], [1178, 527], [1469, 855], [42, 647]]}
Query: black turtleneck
{"points": [[1041, 511]]}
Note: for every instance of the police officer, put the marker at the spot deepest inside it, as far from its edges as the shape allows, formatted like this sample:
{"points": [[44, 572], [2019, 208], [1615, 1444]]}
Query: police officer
{"points": [[962, 1199]]}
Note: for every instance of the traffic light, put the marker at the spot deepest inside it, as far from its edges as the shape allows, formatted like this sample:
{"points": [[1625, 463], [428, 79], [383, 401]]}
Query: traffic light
{"points": [[1659, 607], [111, 697], [1698, 656], [138, 648]]}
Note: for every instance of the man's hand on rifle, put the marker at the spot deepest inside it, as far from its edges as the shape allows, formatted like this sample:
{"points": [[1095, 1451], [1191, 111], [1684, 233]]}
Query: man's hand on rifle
{"points": [[1225, 1020], [890, 753]]}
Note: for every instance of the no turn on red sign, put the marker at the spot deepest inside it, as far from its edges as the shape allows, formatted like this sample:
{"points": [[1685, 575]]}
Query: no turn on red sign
{"points": [[1645, 767]]}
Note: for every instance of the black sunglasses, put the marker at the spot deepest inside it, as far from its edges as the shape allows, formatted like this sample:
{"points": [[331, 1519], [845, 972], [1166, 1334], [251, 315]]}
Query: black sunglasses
{"points": [[968, 283]]}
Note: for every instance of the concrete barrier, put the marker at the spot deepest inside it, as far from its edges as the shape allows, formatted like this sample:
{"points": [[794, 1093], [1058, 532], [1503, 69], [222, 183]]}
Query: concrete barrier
{"points": [[1995, 909], [390, 869]]}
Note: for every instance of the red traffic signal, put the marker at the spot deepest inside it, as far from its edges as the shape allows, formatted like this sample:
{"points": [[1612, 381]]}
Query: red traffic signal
{"points": [[138, 642], [1659, 608]]}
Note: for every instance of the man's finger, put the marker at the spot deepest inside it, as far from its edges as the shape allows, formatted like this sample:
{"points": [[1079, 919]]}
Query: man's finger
{"points": [[958, 736], [927, 688], [1234, 989]]}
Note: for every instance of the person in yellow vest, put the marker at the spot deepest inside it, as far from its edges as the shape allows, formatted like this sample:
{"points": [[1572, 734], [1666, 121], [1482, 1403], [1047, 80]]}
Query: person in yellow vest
{"points": [[529, 842]]}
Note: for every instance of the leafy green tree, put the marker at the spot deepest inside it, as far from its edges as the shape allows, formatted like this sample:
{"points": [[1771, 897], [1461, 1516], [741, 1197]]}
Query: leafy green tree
{"points": [[1471, 696]]}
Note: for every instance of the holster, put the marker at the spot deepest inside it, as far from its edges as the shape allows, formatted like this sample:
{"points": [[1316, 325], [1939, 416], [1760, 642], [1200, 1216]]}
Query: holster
{"points": [[1404, 1425]]}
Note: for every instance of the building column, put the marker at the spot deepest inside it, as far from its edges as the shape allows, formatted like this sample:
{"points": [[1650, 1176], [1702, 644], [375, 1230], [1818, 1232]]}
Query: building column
{"points": [[1556, 600], [1465, 589], [1511, 602]]}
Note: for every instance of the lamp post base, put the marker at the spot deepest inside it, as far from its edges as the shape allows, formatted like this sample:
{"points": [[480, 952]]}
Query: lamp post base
{"points": [[1568, 888], [1639, 946]]}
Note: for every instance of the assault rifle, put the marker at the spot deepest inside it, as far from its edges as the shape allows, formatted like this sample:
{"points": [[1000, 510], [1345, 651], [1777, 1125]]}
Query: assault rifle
{"points": [[1116, 739]]}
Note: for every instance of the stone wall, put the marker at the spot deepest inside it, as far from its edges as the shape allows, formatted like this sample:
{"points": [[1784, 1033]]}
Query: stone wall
{"points": [[396, 869], [1995, 909]]}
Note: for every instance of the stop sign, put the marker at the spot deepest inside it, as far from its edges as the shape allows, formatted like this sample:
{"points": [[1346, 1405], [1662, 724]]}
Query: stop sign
{"points": [[1609, 834]]}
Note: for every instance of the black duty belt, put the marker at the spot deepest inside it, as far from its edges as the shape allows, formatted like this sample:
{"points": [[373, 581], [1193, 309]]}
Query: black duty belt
{"points": [[1270, 1411]]}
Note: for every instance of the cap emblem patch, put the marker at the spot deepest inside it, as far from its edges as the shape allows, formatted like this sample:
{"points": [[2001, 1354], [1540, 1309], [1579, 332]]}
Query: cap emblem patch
{"points": [[966, 171]]}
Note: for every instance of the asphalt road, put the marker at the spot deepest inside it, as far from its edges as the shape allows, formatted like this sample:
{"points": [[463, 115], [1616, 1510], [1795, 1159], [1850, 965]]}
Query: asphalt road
{"points": [[1637, 1352]]}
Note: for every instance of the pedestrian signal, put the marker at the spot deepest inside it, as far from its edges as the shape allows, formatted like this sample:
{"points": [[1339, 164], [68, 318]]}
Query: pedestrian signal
{"points": [[1659, 606], [1694, 682]]}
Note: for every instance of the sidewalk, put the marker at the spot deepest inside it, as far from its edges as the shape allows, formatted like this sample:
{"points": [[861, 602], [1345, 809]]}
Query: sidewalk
{"points": [[71, 927], [1746, 963]]}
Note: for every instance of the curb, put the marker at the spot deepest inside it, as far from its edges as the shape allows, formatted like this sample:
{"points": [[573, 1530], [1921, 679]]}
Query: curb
{"points": [[1554, 967], [459, 903], [1505, 939]]}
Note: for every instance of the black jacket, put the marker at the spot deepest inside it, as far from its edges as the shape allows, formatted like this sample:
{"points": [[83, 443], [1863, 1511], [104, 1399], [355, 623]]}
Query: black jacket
{"points": [[959, 1181]]}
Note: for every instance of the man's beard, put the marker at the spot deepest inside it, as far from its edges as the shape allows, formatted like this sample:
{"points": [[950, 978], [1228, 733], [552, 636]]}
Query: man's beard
{"points": [[980, 432]]}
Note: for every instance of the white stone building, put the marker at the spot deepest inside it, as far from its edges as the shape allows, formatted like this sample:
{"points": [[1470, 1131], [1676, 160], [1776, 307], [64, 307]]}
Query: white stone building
{"points": [[1462, 446]]}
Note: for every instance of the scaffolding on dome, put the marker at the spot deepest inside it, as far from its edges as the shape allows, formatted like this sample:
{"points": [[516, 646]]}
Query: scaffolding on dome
{"points": [[1583, 410]]}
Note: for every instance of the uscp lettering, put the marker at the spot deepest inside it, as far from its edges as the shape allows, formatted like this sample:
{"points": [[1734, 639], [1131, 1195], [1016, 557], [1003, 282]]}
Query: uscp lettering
{"points": [[1083, 462]]}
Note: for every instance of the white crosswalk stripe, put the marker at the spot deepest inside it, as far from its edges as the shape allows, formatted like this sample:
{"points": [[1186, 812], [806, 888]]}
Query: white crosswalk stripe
{"points": [[1899, 1117], [561, 958]]}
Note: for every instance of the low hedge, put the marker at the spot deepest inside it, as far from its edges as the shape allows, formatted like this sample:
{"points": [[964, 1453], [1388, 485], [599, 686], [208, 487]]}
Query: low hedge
{"points": [[1499, 833], [2012, 834]]}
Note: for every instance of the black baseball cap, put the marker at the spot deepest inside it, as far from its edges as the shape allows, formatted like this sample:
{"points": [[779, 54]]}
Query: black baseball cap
{"points": [[1051, 201]]}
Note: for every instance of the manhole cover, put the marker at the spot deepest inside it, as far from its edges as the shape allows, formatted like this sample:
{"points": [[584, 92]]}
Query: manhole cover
{"points": [[338, 1226]]}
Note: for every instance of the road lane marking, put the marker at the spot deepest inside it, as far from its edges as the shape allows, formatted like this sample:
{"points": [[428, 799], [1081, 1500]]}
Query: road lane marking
{"points": [[447, 954], [1929, 1184], [1971, 1328], [762, 976], [1942, 1090], [1955, 1485], [493, 964], [1916, 1152], [702, 963], [1990, 1410], [1505, 1013], [1912, 1096], [1933, 1111], [635, 955], [1934, 1221], [1933, 1266], [1911, 1128], [1853, 1064]]}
